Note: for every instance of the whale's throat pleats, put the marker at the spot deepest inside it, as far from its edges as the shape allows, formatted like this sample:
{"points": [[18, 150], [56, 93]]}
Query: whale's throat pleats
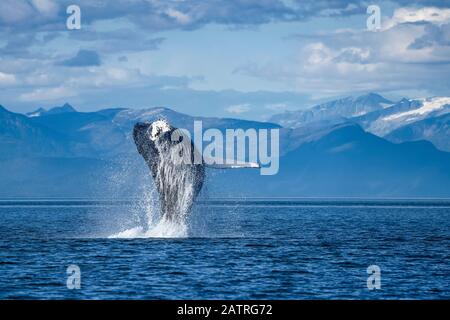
{"points": [[176, 183]]}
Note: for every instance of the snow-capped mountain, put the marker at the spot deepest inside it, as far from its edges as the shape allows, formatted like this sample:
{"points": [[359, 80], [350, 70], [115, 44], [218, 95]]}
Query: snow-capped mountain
{"points": [[336, 110], [376, 115], [404, 113], [92, 151], [435, 130], [107, 133], [36, 113]]}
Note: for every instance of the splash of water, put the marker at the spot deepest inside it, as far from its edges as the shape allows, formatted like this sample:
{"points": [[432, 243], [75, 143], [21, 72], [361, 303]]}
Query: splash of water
{"points": [[162, 229], [177, 199]]}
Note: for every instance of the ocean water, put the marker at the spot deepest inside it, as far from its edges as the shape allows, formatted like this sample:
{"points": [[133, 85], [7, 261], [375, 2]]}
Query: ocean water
{"points": [[234, 249]]}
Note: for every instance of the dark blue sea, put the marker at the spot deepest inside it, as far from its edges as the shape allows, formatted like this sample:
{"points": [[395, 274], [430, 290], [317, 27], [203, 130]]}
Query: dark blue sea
{"points": [[227, 249]]}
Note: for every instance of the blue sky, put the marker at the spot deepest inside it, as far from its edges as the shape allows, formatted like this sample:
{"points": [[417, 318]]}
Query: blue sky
{"points": [[233, 58]]}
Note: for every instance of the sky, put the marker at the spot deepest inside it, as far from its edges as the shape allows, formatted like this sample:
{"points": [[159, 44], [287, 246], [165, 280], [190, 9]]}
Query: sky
{"points": [[231, 58]]}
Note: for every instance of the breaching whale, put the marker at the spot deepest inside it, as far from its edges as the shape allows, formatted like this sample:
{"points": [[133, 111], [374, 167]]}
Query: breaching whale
{"points": [[177, 181]]}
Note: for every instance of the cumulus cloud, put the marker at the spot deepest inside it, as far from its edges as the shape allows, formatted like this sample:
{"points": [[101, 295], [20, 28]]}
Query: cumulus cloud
{"points": [[319, 68], [28, 18], [159, 15], [46, 7], [179, 16], [48, 85], [238, 108], [7, 79], [162, 15], [412, 53], [434, 35], [47, 94], [418, 15]]}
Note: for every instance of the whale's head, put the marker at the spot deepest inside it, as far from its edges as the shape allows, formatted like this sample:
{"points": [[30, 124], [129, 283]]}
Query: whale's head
{"points": [[146, 134], [158, 128], [144, 131]]}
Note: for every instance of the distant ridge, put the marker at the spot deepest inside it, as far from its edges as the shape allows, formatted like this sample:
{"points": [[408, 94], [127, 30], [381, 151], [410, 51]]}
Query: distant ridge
{"points": [[65, 108], [70, 153], [334, 110]]}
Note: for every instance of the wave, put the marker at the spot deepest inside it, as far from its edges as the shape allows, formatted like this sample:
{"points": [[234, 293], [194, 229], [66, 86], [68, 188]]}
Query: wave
{"points": [[163, 229]]}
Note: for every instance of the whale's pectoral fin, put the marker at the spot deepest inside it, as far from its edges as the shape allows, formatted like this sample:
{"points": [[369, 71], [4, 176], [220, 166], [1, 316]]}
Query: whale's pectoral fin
{"points": [[232, 165]]}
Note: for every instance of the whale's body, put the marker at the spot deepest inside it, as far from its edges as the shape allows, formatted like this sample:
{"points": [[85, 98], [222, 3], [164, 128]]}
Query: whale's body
{"points": [[177, 167], [177, 182]]}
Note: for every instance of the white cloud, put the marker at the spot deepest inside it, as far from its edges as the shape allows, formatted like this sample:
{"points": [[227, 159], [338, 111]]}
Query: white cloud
{"points": [[7, 79], [48, 83], [317, 54], [412, 15], [238, 108], [318, 57], [47, 94], [405, 56], [46, 7], [179, 16]]}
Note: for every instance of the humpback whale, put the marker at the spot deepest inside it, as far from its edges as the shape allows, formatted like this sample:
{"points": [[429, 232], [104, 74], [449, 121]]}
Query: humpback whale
{"points": [[177, 181]]}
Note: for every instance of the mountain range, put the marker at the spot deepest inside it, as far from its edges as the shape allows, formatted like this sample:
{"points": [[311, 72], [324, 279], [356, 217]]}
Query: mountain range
{"points": [[365, 146], [336, 110], [375, 114]]}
